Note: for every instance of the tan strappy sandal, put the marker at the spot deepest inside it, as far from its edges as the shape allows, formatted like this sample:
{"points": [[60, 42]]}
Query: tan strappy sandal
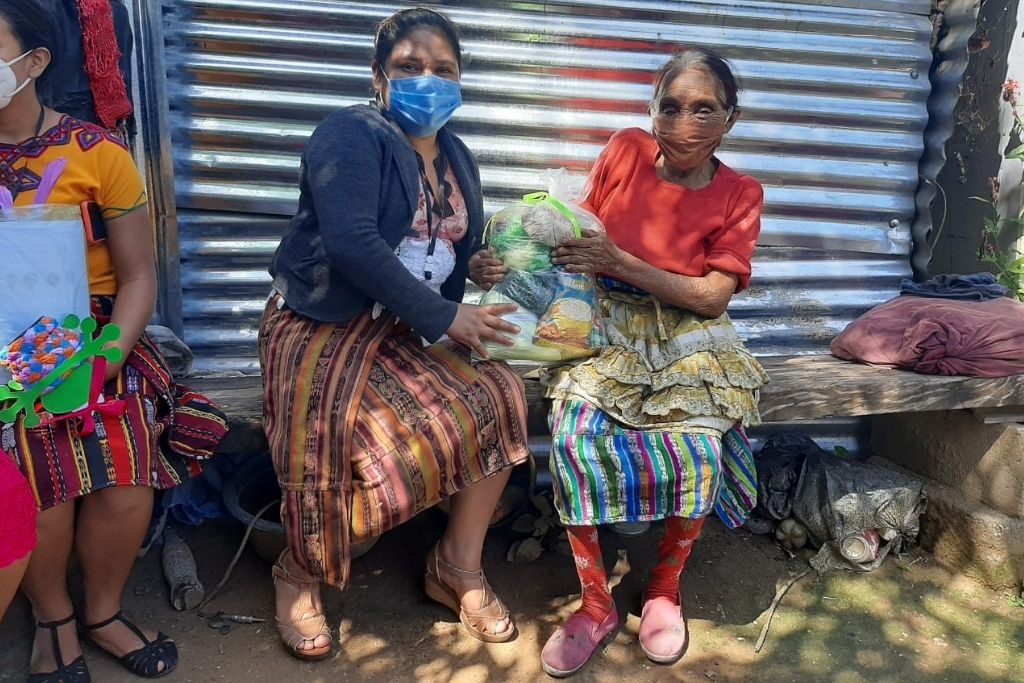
{"points": [[477, 620], [300, 629]]}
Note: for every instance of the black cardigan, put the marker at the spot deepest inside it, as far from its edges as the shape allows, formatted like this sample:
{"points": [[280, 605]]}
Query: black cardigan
{"points": [[360, 185]]}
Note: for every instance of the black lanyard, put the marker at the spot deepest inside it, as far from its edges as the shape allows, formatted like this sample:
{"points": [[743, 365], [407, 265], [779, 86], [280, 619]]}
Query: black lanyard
{"points": [[432, 203]]}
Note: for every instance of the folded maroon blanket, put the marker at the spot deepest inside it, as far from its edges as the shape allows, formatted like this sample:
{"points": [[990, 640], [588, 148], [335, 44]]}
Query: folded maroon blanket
{"points": [[939, 337]]}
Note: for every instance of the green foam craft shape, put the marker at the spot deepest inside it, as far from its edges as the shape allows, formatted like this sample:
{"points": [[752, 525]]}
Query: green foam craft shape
{"points": [[74, 391]]}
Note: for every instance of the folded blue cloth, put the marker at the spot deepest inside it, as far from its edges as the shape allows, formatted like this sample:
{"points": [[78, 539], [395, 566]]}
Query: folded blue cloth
{"points": [[974, 287], [199, 499]]}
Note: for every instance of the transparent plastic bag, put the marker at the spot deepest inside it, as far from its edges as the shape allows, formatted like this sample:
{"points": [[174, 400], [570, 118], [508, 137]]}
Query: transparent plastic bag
{"points": [[44, 271], [557, 309]]}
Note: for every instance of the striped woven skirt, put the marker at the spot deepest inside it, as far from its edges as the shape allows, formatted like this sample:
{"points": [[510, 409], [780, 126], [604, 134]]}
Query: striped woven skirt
{"points": [[606, 473], [161, 439], [652, 427], [368, 428]]}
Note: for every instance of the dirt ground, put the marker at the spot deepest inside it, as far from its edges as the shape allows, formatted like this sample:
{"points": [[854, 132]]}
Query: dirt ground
{"points": [[910, 621]]}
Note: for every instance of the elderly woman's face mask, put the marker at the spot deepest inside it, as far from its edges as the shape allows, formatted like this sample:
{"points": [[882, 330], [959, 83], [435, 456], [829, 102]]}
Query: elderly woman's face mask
{"points": [[689, 120], [687, 144]]}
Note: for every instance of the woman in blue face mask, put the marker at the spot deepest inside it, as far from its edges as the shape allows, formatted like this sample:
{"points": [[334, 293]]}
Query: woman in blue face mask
{"points": [[374, 409]]}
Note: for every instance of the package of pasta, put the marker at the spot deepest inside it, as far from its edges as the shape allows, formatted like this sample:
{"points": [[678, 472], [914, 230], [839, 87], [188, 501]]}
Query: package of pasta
{"points": [[557, 309], [571, 323]]}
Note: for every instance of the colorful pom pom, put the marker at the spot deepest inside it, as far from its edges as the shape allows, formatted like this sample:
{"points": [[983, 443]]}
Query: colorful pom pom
{"points": [[39, 351]]}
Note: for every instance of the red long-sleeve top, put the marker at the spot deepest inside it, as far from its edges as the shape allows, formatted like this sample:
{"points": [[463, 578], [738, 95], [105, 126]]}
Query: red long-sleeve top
{"points": [[683, 231]]}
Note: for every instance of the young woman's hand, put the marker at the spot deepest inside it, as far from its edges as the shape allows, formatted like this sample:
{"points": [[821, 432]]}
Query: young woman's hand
{"points": [[486, 270], [591, 253], [113, 370], [475, 325]]}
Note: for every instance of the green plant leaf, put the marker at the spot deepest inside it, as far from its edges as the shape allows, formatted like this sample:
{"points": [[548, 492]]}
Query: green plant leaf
{"points": [[542, 505], [524, 524], [1016, 153]]}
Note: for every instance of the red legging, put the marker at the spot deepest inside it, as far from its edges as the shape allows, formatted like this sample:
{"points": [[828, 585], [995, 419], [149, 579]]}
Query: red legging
{"points": [[680, 534]]}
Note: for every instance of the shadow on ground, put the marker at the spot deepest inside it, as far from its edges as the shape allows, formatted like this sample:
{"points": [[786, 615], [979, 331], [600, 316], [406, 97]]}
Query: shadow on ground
{"points": [[910, 621]]}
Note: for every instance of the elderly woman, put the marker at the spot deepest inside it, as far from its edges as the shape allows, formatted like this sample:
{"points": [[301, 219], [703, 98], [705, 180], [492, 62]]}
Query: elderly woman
{"points": [[368, 425], [648, 429]]}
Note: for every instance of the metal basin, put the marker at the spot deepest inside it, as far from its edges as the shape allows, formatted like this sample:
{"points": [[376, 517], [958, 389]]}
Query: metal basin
{"points": [[247, 491]]}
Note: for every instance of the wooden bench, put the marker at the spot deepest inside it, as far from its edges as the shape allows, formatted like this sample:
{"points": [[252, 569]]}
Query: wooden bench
{"points": [[802, 388], [812, 387]]}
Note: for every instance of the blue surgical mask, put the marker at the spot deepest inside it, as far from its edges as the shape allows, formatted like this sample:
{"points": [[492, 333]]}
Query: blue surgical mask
{"points": [[423, 104]]}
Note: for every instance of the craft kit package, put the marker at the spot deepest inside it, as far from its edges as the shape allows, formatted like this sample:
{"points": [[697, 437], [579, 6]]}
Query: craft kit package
{"points": [[557, 316], [44, 272]]}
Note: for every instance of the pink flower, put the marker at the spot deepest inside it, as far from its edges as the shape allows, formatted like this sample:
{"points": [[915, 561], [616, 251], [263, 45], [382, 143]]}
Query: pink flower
{"points": [[1011, 92]]}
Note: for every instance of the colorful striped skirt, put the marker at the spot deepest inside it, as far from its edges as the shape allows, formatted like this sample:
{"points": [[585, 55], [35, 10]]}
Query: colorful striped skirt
{"points": [[160, 440], [652, 427], [604, 472], [368, 428]]}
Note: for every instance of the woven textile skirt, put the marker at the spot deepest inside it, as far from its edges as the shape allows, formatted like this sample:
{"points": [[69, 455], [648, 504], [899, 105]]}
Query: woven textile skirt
{"points": [[426, 422], [652, 426], [161, 439]]}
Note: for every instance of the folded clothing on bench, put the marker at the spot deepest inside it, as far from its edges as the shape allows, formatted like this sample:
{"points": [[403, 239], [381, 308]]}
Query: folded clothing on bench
{"points": [[973, 287], [939, 337]]}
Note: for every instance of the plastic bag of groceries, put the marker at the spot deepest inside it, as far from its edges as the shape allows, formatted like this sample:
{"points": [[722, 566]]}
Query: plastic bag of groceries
{"points": [[557, 316], [41, 277]]}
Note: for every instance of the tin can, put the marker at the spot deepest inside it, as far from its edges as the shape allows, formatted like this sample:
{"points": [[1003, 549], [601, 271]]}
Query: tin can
{"points": [[861, 548]]}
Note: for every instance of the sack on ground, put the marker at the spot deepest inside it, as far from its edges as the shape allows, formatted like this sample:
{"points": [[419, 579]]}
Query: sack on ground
{"points": [[856, 513]]}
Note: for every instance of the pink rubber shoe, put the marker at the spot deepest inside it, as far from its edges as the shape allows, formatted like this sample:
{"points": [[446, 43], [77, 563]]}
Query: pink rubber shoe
{"points": [[664, 635], [575, 641]]}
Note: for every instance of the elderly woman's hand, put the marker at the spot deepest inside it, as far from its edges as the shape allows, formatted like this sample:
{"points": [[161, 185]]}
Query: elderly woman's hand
{"points": [[591, 253], [485, 270]]}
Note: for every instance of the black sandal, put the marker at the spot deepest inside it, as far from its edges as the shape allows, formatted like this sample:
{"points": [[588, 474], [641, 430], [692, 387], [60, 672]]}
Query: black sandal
{"points": [[75, 672], [146, 660]]}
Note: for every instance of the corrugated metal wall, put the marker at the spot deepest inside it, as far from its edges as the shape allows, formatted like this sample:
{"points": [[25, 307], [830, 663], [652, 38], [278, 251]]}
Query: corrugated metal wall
{"points": [[834, 100]]}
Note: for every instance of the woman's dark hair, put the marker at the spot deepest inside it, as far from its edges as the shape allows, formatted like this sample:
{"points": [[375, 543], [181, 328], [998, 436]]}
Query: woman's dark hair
{"points": [[33, 26], [708, 61], [401, 24]]}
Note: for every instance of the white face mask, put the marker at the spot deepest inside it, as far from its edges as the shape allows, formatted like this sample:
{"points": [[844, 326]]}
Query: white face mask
{"points": [[9, 81]]}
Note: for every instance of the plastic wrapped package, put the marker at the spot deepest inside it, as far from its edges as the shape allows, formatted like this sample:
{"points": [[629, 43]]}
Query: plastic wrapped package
{"points": [[534, 292], [572, 320], [523, 347]]}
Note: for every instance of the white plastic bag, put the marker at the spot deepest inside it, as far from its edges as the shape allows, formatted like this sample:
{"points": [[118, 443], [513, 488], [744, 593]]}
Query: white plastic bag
{"points": [[44, 271]]}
